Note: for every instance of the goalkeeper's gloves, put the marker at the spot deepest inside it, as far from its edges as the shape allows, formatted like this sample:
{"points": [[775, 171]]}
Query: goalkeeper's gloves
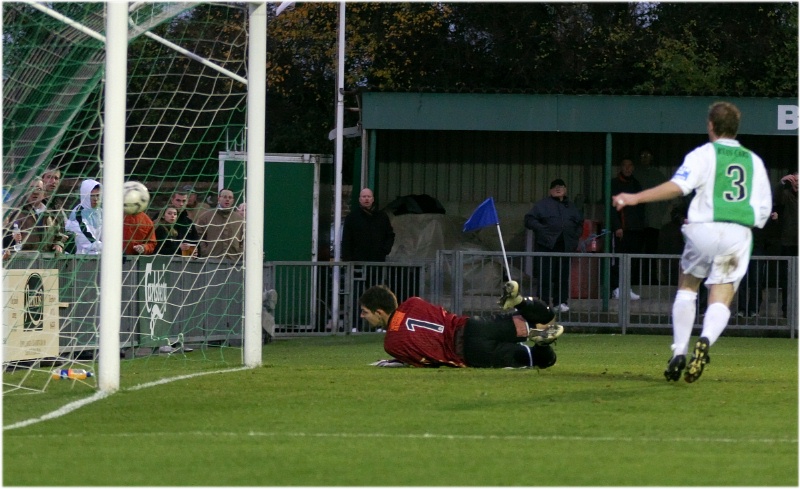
{"points": [[510, 297], [393, 363]]}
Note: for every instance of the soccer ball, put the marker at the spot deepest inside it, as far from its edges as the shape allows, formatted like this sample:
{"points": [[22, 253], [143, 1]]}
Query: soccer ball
{"points": [[136, 197]]}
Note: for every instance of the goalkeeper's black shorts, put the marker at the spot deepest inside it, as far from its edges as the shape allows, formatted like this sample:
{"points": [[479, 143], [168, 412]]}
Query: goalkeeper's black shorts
{"points": [[494, 343]]}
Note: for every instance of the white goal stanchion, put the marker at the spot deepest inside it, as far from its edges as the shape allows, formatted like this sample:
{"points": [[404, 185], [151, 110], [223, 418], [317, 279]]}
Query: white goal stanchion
{"points": [[113, 179], [75, 111], [256, 126]]}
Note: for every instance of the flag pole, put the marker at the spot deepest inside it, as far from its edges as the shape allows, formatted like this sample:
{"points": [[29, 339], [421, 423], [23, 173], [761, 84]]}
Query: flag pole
{"points": [[486, 215], [503, 247]]}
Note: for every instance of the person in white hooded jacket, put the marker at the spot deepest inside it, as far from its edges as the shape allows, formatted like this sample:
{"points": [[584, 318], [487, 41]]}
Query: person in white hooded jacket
{"points": [[86, 220]]}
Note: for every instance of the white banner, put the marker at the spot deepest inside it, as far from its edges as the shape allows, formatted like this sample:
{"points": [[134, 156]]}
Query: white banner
{"points": [[30, 314]]}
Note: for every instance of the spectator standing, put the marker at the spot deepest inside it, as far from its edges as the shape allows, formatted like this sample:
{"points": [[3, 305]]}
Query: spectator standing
{"points": [[193, 206], [557, 225], [52, 181], [221, 230], [184, 224], [138, 234], [671, 242], [788, 214], [787, 200], [422, 334], [656, 214], [51, 178], [86, 220], [169, 240], [56, 202], [733, 195], [39, 229], [242, 210], [754, 281], [627, 223], [367, 235]]}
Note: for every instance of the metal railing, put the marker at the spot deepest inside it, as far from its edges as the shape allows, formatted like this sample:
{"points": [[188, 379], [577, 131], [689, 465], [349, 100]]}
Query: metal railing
{"points": [[305, 292], [470, 283], [204, 298]]}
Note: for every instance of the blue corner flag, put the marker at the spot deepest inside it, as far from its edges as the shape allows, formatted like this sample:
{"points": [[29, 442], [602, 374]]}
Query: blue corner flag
{"points": [[484, 215]]}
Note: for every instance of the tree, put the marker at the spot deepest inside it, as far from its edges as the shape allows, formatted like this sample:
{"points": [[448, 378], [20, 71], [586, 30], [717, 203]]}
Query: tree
{"points": [[388, 46], [654, 48], [736, 49], [746, 49]]}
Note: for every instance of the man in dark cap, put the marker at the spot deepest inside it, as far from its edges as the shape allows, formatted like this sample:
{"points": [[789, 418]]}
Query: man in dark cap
{"points": [[557, 224], [193, 207]]}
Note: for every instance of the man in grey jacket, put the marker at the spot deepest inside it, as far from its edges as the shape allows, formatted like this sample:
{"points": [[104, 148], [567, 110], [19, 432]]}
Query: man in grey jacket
{"points": [[221, 230], [557, 224]]}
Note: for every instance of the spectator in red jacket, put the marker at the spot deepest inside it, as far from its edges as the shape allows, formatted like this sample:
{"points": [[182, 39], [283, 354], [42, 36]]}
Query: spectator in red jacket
{"points": [[138, 235]]}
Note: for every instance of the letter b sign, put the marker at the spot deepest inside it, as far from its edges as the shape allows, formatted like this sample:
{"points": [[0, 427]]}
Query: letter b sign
{"points": [[787, 118]]}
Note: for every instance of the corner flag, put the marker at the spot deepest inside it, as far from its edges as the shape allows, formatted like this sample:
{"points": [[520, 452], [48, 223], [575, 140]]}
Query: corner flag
{"points": [[484, 215]]}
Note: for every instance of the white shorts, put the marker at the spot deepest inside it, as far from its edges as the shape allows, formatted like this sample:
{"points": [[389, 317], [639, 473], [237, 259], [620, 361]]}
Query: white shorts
{"points": [[719, 251]]}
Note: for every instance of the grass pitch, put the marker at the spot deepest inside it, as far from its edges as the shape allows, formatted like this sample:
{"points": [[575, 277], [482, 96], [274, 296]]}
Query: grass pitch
{"points": [[317, 414]]}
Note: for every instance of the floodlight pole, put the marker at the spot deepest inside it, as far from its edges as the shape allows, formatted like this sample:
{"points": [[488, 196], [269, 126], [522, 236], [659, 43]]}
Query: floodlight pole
{"points": [[337, 205], [113, 178], [254, 224]]}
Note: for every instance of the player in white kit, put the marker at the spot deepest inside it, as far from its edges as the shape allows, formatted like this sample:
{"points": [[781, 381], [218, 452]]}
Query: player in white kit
{"points": [[733, 195]]}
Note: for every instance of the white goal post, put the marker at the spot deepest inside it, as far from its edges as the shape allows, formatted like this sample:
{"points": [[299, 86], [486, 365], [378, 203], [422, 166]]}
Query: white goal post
{"points": [[113, 175], [120, 91]]}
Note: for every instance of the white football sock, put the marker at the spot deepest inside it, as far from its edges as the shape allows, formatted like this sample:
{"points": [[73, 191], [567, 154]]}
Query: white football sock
{"points": [[717, 316], [684, 310]]}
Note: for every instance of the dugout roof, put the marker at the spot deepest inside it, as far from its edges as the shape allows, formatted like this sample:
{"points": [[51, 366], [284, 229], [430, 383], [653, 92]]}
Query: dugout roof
{"points": [[569, 113], [466, 146]]}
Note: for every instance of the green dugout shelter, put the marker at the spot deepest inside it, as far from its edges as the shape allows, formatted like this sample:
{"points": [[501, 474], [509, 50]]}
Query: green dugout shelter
{"points": [[467, 146], [464, 147]]}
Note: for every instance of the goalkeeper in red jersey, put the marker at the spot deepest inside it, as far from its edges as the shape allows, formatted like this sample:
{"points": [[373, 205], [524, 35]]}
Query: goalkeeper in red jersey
{"points": [[422, 334]]}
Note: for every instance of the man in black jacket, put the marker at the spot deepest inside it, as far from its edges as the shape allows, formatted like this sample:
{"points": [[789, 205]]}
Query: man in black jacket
{"points": [[367, 236], [557, 224], [184, 224], [627, 224], [367, 233]]}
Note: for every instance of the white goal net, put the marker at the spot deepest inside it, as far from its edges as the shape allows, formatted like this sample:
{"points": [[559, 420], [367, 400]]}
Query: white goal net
{"points": [[183, 280]]}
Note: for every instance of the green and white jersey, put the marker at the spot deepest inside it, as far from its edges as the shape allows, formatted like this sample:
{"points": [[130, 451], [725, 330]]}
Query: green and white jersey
{"points": [[731, 184]]}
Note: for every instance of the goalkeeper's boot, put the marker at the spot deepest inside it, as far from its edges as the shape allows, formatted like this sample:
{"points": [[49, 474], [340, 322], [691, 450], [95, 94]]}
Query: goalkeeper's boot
{"points": [[699, 360], [510, 296], [675, 368], [546, 336], [536, 312]]}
